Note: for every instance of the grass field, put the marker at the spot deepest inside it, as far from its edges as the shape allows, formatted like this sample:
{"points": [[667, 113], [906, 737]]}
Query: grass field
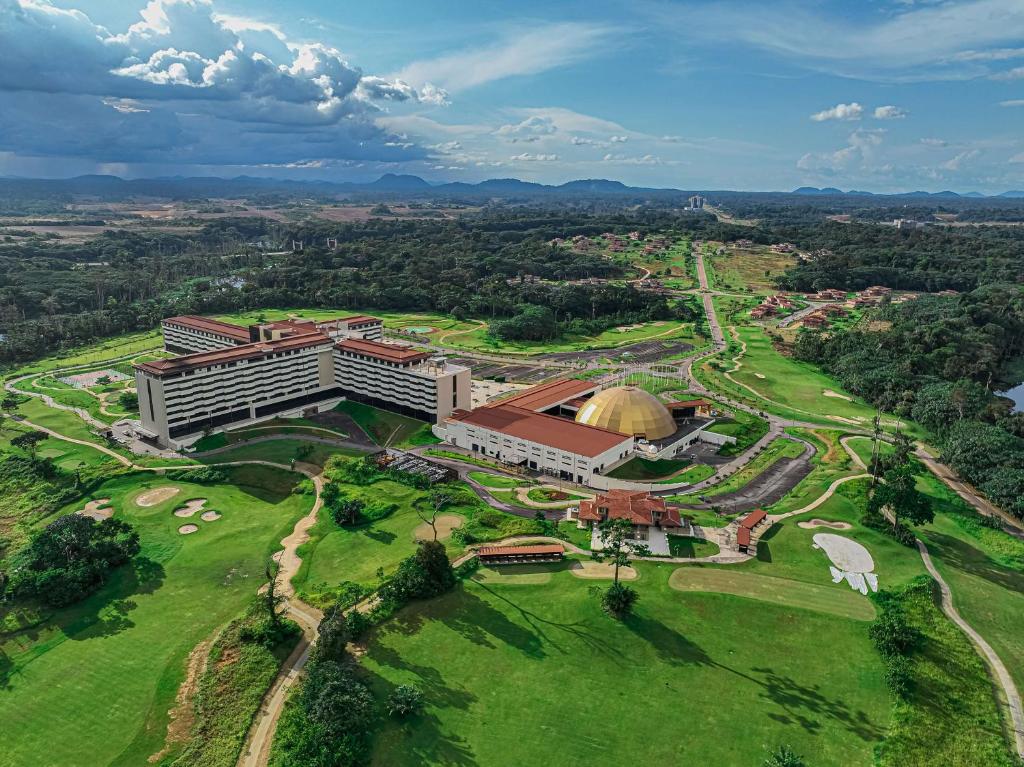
{"points": [[282, 451], [741, 269], [685, 546], [108, 669], [387, 428], [487, 479], [536, 669]]}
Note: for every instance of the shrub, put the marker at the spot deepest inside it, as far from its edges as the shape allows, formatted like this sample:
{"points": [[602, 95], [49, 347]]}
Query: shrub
{"points": [[618, 600], [207, 475], [405, 700], [784, 756]]}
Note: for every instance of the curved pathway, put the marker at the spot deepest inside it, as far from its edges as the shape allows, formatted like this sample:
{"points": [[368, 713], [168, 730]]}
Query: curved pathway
{"points": [[995, 664]]}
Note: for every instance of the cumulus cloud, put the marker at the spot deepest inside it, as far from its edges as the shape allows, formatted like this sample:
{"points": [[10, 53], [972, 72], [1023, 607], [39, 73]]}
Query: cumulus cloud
{"points": [[1017, 73], [852, 111], [620, 159], [934, 142], [531, 129], [619, 139], [527, 157], [860, 149], [890, 113], [203, 88], [1012, 103], [956, 163]]}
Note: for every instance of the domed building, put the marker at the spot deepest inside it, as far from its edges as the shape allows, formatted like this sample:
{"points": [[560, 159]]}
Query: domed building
{"points": [[628, 410]]}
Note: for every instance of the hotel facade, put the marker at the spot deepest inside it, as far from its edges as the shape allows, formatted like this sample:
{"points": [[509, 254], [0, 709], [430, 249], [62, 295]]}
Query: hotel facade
{"points": [[232, 376]]}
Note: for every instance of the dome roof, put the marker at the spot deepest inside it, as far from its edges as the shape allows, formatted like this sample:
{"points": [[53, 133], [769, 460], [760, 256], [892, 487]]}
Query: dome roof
{"points": [[628, 410]]}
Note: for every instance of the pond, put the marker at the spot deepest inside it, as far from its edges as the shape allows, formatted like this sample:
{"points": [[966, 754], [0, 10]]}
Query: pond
{"points": [[1017, 395]]}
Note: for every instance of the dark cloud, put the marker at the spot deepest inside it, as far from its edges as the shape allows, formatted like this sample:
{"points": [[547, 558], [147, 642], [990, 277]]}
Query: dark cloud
{"points": [[186, 85]]}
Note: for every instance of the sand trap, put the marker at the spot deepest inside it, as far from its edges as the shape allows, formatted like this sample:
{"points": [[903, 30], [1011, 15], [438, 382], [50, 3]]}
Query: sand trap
{"points": [[601, 571], [810, 525], [99, 509], [190, 507], [445, 523], [157, 495], [851, 421], [188, 529], [851, 561], [210, 516], [760, 375], [836, 395]]}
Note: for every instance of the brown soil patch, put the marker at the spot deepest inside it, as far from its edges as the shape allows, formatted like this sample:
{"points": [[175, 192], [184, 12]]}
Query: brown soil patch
{"points": [[210, 516], [601, 571], [190, 507], [836, 395], [182, 715], [445, 523], [157, 495], [833, 451], [99, 509], [188, 529], [813, 523]]}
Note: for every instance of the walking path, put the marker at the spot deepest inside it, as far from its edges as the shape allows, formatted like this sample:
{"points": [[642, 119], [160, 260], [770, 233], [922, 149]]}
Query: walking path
{"points": [[995, 664]]}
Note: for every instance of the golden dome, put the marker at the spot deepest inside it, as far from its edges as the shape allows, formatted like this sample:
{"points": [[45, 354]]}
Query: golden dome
{"points": [[628, 410]]}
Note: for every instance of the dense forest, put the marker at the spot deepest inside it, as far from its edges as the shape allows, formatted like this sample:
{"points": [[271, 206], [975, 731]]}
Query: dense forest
{"points": [[938, 361]]}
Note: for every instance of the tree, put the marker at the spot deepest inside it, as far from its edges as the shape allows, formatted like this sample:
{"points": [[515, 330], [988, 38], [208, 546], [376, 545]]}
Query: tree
{"points": [[405, 700], [333, 636], [272, 599], [425, 574], [618, 547], [901, 498], [438, 500], [29, 441], [784, 756], [128, 400], [71, 557], [8, 404]]}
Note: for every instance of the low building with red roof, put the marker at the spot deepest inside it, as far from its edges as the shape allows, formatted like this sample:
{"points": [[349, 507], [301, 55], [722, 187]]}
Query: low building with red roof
{"points": [[641, 509]]}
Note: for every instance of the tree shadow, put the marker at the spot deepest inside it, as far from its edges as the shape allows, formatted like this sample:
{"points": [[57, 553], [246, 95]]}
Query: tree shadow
{"points": [[6, 670], [385, 537], [963, 556], [423, 734], [670, 646]]}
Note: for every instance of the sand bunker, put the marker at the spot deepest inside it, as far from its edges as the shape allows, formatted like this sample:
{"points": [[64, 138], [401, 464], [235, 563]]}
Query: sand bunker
{"points": [[99, 509], [444, 523], [188, 529], [810, 525], [851, 561], [760, 375], [210, 516], [836, 395], [157, 495], [190, 507], [601, 571]]}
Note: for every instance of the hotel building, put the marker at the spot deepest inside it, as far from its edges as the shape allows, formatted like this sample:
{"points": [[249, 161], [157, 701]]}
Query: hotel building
{"points": [[232, 376]]}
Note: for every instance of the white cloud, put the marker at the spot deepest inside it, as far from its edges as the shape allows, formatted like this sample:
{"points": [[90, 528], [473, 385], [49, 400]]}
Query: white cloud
{"points": [[890, 113], [619, 139], [1017, 157], [1012, 103], [533, 128], [860, 149], [956, 163], [186, 85], [619, 159], [852, 111], [934, 142], [524, 51], [527, 157], [583, 141], [1017, 73]]}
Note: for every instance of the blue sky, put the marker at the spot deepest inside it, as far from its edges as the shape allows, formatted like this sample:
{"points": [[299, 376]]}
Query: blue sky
{"points": [[883, 95]]}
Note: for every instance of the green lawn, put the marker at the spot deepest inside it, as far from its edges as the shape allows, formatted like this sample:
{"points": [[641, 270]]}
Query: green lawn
{"points": [[745, 427], [536, 670], [685, 546], [643, 469], [487, 479], [92, 684], [387, 428], [547, 495], [281, 451]]}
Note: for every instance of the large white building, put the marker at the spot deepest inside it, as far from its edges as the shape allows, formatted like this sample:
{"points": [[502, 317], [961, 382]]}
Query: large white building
{"points": [[286, 368]]}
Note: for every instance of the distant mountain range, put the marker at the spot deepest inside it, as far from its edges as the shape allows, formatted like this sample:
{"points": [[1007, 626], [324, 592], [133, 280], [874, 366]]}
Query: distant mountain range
{"points": [[831, 190], [394, 185]]}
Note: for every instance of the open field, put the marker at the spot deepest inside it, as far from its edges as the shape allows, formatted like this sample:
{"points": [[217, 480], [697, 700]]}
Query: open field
{"points": [[280, 451], [510, 668], [108, 668], [387, 428], [739, 269]]}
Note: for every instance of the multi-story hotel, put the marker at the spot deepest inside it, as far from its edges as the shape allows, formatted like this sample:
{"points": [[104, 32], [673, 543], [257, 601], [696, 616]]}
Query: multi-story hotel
{"points": [[232, 376]]}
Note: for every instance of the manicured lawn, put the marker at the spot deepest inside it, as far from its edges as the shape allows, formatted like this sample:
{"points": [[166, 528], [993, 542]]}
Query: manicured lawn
{"points": [[546, 495], [745, 427], [135, 343], [487, 479], [387, 428], [685, 546], [643, 469], [538, 671], [281, 451], [93, 683]]}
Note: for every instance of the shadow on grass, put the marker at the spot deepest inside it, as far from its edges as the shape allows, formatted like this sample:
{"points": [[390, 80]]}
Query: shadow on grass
{"points": [[385, 537], [962, 556]]}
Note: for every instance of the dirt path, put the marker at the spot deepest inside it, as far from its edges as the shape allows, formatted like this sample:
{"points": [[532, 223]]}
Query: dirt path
{"points": [[773, 518], [480, 326], [1002, 676]]}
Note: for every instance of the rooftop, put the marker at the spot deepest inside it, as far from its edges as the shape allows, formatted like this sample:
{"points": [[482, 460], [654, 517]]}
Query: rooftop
{"points": [[546, 395], [506, 551], [550, 430], [637, 506], [383, 351], [231, 354], [208, 325]]}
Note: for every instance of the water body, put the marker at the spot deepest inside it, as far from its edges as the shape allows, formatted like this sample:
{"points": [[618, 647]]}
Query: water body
{"points": [[1017, 395]]}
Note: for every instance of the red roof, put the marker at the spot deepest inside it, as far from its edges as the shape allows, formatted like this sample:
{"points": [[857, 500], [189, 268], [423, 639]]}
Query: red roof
{"points": [[550, 430], [505, 551], [743, 537], [382, 351], [753, 519], [208, 325], [688, 403], [231, 354], [360, 319], [637, 506], [549, 394]]}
